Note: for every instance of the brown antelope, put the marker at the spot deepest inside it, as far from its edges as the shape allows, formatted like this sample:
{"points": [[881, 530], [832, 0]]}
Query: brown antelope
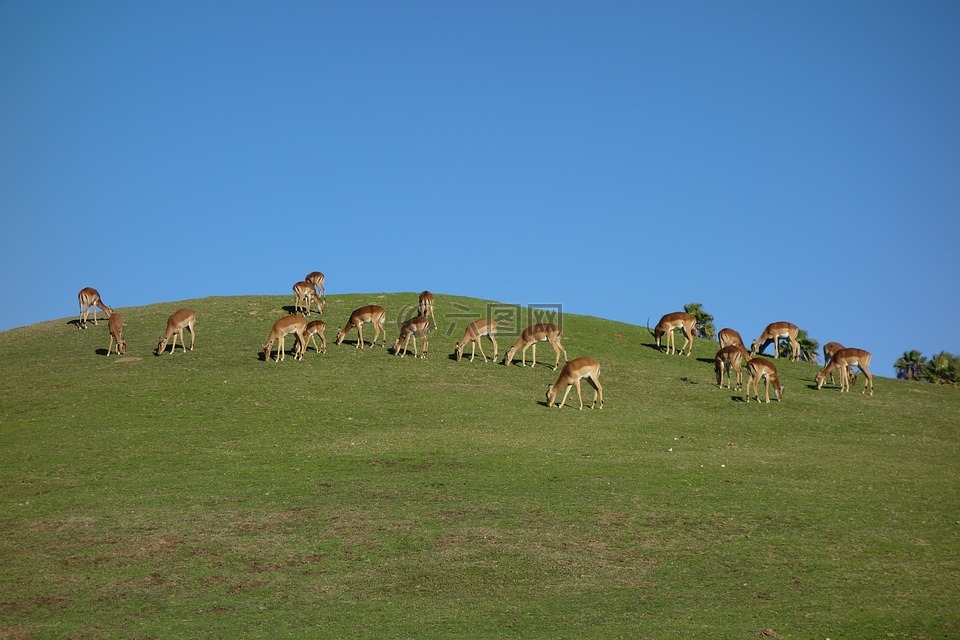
{"points": [[730, 358], [543, 332], [317, 280], [425, 306], [677, 320], [176, 323], [728, 337], [284, 326], [89, 298], [828, 350], [412, 328], [310, 333], [377, 316], [474, 331], [845, 360], [773, 333], [758, 368], [572, 373], [304, 292], [115, 325]]}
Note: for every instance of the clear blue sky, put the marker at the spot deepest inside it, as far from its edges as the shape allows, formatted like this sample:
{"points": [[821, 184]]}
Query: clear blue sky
{"points": [[770, 160]]}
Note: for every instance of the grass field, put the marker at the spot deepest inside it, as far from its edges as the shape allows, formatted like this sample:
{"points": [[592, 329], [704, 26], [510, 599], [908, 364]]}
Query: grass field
{"points": [[214, 495]]}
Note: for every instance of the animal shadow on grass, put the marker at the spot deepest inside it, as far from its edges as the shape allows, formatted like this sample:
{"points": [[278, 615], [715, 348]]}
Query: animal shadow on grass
{"points": [[519, 363], [707, 360], [292, 309], [466, 358], [262, 357], [387, 346]]}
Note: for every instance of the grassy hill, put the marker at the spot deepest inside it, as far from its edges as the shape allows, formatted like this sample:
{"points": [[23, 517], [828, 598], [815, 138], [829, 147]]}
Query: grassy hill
{"points": [[215, 495]]}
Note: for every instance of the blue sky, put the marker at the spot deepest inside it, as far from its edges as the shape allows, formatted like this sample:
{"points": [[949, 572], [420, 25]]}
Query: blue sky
{"points": [[770, 160]]}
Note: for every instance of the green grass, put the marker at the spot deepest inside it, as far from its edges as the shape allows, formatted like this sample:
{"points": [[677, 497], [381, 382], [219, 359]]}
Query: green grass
{"points": [[215, 495]]}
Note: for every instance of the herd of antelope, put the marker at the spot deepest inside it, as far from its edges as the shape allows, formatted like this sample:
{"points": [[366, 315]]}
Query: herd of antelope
{"points": [[311, 292], [733, 354]]}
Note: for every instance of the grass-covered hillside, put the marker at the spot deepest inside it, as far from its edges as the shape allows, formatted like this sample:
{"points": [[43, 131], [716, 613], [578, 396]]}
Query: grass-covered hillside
{"points": [[356, 494]]}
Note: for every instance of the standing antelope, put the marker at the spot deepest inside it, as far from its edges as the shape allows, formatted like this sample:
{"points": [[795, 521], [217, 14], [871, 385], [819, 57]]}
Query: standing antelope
{"points": [[773, 333], [682, 320], [310, 333], [845, 360], [411, 329], [730, 358], [281, 328], [474, 331], [377, 316], [758, 368], [304, 292], [728, 336], [572, 373], [115, 325], [828, 350], [317, 280], [184, 318], [425, 306], [89, 298], [543, 332]]}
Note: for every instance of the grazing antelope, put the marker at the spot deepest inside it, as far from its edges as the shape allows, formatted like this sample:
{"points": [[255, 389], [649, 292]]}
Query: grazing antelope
{"points": [[543, 332], [89, 298], [377, 316], [284, 326], [115, 325], [310, 333], [758, 368], [304, 292], [730, 358], [317, 280], [176, 323], [474, 331], [845, 360], [773, 333], [828, 350], [572, 373], [728, 337], [412, 328], [677, 320], [425, 306]]}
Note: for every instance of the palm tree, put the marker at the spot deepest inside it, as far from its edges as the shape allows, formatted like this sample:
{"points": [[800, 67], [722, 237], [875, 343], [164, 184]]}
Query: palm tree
{"points": [[910, 366], [943, 368], [808, 347], [704, 320]]}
